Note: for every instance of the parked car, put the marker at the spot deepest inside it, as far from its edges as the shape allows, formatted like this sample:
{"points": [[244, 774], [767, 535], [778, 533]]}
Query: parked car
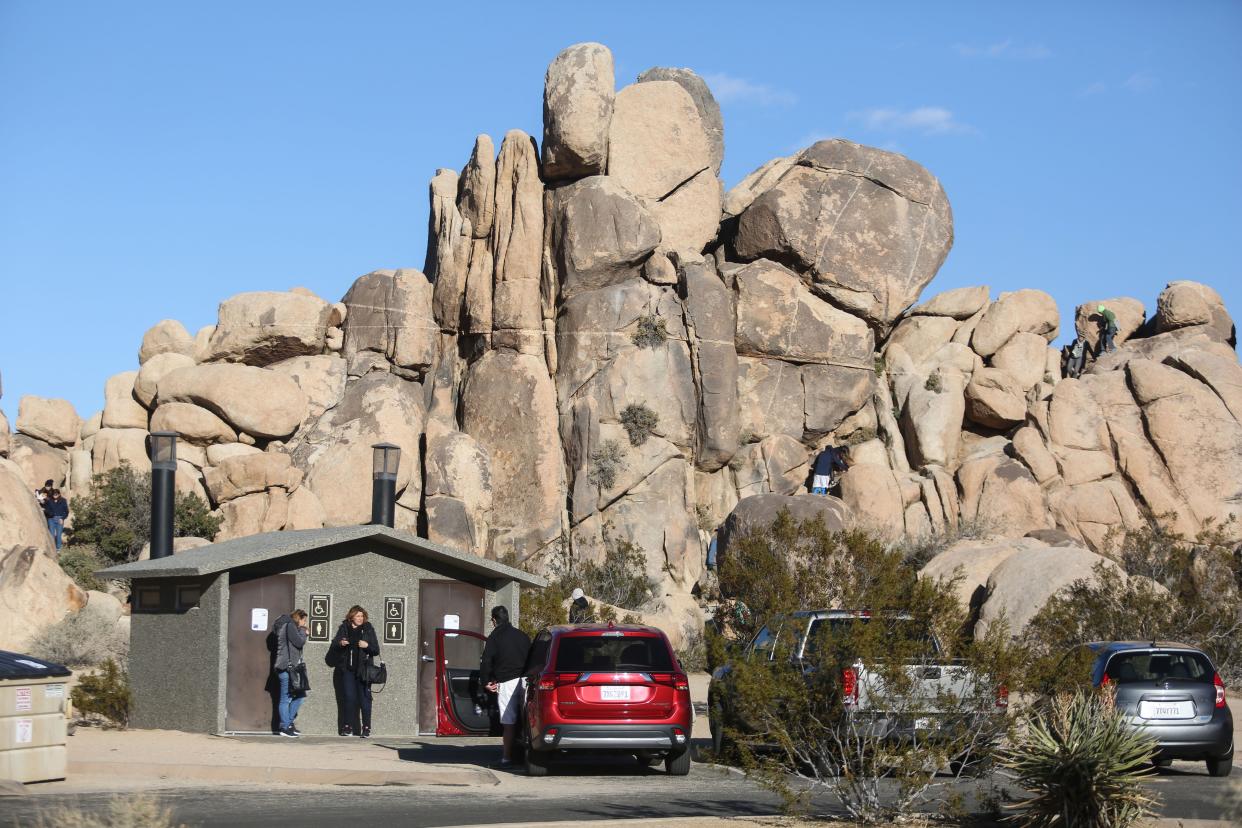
{"points": [[606, 687], [936, 681], [1172, 692]]}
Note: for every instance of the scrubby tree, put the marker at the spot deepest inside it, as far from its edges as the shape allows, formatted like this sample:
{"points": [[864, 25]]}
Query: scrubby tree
{"points": [[115, 516]]}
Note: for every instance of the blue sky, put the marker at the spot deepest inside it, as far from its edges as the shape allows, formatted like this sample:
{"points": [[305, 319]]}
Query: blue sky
{"points": [[156, 158]]}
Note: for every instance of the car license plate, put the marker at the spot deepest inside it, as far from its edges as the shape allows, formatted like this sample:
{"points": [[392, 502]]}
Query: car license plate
{"points": [[926, 724], [614, 694], [1167, 710]]}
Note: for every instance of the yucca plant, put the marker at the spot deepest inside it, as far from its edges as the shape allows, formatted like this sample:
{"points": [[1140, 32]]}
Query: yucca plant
{"points": [[1083, 765]]}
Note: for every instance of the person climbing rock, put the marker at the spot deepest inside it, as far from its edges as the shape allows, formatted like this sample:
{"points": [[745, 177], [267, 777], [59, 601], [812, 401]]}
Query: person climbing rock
{"points": [[1075, 358], [1108, 329], [827, 465]]}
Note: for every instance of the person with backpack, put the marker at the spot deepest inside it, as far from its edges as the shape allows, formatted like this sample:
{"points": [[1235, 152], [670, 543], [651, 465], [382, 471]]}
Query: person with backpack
{"points": [[579, 607], [357, 646], [1108, 329], [1075, 357], [290, 631]]}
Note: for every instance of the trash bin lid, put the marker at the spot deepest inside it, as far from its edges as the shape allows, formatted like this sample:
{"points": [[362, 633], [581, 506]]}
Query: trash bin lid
{"points": [[18, 666]]}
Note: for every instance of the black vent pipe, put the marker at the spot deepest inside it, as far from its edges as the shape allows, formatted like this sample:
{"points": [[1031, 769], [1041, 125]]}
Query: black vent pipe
{"points": [[163, 491], [385, 459]]}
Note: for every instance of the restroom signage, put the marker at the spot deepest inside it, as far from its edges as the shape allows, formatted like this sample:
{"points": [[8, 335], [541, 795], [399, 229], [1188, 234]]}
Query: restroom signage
{"points": [[320, 612], [394, 620]]}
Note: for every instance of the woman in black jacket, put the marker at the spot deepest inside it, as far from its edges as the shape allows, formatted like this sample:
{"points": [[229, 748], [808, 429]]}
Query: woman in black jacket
{"points": [[356, 647]]}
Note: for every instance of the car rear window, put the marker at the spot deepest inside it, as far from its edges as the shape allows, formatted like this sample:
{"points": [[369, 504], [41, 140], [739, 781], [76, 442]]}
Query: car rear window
{"points": [[1154, 665], [579, 653], [908, 630]]}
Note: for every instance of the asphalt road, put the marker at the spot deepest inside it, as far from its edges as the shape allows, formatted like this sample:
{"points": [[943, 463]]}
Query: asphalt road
{"points": [[577, 791]]}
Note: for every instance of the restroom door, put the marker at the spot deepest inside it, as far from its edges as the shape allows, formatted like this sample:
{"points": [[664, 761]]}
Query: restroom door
{"points": [[438, 601], [254, 606]]}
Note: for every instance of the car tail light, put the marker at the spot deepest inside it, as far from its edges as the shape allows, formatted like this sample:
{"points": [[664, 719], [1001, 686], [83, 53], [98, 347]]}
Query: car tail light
{"points": [[849, 687], [555, 680], [1220, 690], [1104, 682], [677, 681], [1002, 697]]}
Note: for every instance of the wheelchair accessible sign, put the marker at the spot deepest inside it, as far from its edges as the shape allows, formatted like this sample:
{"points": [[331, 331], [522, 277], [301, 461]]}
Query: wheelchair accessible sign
{"points": [[394, 619]]}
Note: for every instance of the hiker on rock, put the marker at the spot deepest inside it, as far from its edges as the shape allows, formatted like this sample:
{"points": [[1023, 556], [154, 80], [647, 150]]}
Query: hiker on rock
{"points": [[1108, 329], [1075, 358], [579, 607], [56, 510], [827, 465]]}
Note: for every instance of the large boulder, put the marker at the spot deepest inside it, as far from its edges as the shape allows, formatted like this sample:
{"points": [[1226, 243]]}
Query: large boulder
{"points": [[870, 227], [38, 461], [247, 474], [118, 446], [263, 327], [602, 233], [390, 314], [509, 406], [578, 95], [256, 401], [34, 593], [458, 491], [1001, 494], [336, 451], [1025, 358], [1185, 304], [874, 497], [121, 410], [1022, 583], [192, 423], [517, 313], [55, 422], [657, 141], [1021, 310], [777, 316], [1197, 436], [969, 564], [21, 521], [147, 384], [995, 399], [756, 514], [321, 378], [709, 307], [167, 336], [958, 303], [704, 102]]}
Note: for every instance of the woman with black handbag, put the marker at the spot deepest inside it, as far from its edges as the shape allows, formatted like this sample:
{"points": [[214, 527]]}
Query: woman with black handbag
{"points": [[357, 646], [290, 632]]}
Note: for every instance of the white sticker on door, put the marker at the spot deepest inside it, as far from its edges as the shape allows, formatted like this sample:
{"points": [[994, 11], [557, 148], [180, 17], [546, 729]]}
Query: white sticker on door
{"points": [[452, 622], [258, 619]]}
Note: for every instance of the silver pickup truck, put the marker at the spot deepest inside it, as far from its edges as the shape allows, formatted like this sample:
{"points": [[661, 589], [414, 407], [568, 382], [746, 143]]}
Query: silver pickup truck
{"points": [[941, 695]]}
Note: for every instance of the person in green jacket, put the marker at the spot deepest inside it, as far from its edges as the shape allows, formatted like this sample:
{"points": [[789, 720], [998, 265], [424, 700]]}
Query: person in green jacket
{"points": [[1108, 329]]}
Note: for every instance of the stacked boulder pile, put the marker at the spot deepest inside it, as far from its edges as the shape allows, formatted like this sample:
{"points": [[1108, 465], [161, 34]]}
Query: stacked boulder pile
{"points": [[604, 345]]}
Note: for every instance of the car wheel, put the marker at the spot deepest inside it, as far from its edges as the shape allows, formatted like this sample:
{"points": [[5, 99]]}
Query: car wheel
{"points": [[536, 763], [1220, 767], [679, 764]]}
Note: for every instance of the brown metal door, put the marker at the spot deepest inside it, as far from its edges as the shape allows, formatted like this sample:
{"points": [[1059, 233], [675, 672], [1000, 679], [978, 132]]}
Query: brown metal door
{"points": [[437, 599], [254, 606]]}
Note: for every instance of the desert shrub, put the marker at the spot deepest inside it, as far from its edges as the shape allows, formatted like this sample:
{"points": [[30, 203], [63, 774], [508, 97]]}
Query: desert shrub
{"points": [[80, 640], [879, 366], [862, 435], [1172, 589], [917, 550], [1080, 760], [640, 422], [621, 580], [933, 383], [105, 693], [115, 517], [703, 517], [131, 810], [650, 333], [800, 706], [692, 655], [81, 563], [607, 462]]}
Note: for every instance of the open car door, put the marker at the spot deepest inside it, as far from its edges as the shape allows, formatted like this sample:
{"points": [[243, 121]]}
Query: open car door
{"points": [[461, 702]]}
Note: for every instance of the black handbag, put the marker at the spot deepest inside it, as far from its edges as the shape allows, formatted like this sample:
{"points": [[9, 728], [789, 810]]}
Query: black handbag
{"points": [[299, 680], [373, 673]]}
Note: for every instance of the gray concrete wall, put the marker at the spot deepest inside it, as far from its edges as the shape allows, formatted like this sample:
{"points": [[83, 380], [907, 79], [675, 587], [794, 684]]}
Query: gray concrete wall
{"points": [[176, 669]]}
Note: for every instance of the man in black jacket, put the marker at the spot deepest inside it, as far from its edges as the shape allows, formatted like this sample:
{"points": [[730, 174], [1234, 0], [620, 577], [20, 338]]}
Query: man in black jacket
{"points": [[501, 671]]}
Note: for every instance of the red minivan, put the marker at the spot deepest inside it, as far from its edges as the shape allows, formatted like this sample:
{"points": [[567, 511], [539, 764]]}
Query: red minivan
{"points": [[606, 687]]}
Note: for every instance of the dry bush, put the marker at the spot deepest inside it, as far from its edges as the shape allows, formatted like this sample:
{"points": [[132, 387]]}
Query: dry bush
{"points": [[105, 694], [651, 332], [134, 810], [607, 462], [80, 640], [640, 422]]}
